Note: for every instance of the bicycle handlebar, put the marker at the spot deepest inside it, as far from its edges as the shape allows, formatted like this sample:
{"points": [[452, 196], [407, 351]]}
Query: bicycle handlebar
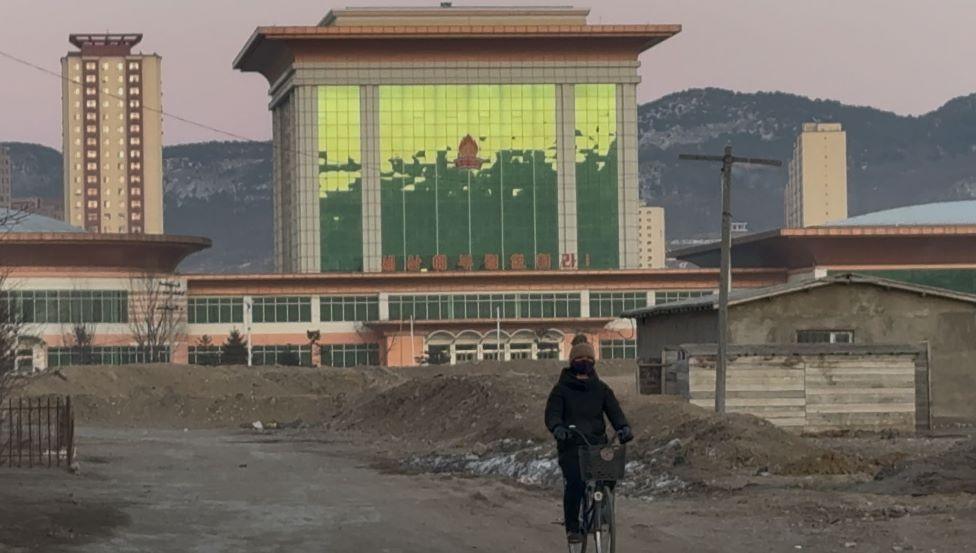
{"points": [[588, 444]]}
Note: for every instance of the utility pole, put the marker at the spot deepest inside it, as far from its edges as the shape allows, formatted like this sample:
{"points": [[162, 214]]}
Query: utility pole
{"points": [[725, 273], [248, 317]]}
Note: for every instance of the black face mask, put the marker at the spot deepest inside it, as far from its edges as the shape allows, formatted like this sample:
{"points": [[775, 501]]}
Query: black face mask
{"points": [[581, 366]]}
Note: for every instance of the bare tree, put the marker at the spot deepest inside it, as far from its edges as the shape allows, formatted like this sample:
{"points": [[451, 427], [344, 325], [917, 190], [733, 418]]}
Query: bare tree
{"points": [[80, 340], [10, 377], [11, 321], [155, 315]]}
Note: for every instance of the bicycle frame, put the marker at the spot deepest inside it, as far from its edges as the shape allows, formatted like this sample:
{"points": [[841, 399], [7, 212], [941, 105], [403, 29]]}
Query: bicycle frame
{"points": [[596, 499]]}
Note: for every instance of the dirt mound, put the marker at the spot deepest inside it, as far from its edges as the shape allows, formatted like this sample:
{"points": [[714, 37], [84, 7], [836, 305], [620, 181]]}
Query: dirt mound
{"points": [[205, 397], [458, 410], [952, 471], [672, 432], [465, 408], [455, 409]]}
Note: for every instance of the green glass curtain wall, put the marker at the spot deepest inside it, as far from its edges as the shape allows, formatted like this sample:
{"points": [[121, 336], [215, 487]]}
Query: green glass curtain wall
{"points": [[498, 199], [340, 178], [467, 175], [596, 176]]}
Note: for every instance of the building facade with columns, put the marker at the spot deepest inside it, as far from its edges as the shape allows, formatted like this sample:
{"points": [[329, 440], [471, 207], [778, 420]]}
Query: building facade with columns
{"points": [[454, 138], [59, 279]]}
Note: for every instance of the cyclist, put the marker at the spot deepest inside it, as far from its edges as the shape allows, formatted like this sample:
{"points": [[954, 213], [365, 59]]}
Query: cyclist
{"points": [[580, 399]]}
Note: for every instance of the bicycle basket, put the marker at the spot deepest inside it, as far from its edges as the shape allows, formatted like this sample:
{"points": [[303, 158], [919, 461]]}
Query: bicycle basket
{"points": [[603, 462]]}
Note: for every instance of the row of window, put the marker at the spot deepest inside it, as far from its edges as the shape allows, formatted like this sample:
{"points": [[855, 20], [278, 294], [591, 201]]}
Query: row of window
{"points": [[351, 355], [618, 349], [671, 296], [101, 355], [278, 309], [290, 355], [337, 355], [282, 309], [349, 308], [92, 90], [68, 306], [111, 306], [93, 65], [484, 306], [92, 78], [612, 304], [215, 310], [340, 355]]}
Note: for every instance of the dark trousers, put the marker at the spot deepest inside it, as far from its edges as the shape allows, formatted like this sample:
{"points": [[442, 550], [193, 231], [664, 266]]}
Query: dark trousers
{"points": [[574, 487]]}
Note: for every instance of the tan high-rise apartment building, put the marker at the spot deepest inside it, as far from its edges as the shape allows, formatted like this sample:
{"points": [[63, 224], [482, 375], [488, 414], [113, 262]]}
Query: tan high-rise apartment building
{"points": [[817, 190], [5, 179], [112, 133], [650, 236]]}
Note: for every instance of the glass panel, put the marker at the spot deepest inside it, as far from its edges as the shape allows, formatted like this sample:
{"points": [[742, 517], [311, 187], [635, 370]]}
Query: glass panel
{"points": [[340, 178], [468, 170], [596, 176]]}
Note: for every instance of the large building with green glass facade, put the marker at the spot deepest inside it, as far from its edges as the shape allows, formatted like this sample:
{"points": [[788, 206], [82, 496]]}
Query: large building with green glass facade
{"points": [[451, 138]]}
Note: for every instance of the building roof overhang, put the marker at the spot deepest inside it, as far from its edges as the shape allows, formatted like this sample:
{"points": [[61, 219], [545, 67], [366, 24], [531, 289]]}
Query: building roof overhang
{"points": [[743, 296], [130, 253], [803, 248], [270, 49]]}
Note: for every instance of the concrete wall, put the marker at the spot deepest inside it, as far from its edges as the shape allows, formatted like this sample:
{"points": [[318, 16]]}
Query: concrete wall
{"points": [[875, 314], [654, 334], [879, 316]]}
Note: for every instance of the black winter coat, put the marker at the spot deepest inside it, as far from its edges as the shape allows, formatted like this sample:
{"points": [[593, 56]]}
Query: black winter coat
{"points": [[582, 403]]}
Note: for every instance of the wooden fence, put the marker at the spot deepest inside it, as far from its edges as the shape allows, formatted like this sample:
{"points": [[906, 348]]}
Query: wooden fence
{"points": [[810, 387], [37, 432]]}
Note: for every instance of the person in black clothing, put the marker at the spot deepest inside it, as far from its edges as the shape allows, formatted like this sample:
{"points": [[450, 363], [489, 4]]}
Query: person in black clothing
{"points": [[580, 399]]}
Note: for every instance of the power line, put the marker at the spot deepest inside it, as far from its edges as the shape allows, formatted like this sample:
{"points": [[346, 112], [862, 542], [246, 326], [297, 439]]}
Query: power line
{"points": [[160, 111], [188, 121]]}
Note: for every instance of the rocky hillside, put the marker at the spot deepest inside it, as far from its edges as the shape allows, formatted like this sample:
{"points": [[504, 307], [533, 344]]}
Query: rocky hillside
{"points": [[222, 189], [892, 160]]}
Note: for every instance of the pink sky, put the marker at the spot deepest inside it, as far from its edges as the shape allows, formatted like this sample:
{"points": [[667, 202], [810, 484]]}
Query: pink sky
{"points": [[905, 56]]}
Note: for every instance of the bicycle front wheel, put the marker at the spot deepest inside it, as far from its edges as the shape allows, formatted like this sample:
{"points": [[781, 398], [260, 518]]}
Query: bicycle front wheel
{"points": [[604, 529], [585, 521]]}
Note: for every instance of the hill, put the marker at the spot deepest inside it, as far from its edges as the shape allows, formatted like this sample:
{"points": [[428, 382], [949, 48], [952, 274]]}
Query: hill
{"points": [[223, 189], [892, 160]]}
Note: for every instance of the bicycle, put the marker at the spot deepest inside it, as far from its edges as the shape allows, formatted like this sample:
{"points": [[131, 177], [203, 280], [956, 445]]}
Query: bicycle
{"points": [[601, 467]]}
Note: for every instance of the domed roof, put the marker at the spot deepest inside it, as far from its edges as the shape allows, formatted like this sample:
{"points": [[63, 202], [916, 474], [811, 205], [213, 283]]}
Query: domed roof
{"points": [[12, 220], [941, 213]]}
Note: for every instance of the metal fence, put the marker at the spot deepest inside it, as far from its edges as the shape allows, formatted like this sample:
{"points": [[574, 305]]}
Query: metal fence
{"points": [[37, 432]]}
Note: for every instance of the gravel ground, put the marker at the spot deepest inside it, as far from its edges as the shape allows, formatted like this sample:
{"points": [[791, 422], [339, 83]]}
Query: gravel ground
{"points": [[234, 491]]}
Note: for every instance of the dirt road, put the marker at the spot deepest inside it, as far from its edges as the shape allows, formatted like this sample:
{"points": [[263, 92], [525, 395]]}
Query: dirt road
{"points": [[227, 491]]}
